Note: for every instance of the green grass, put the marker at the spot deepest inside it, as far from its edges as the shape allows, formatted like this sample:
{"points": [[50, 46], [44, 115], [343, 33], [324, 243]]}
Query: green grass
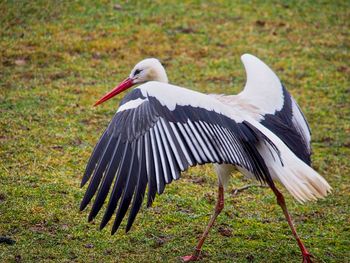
{"points": [[57, 58]]}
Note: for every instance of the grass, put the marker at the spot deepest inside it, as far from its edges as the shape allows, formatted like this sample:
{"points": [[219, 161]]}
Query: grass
{"points": [[57, 58]]}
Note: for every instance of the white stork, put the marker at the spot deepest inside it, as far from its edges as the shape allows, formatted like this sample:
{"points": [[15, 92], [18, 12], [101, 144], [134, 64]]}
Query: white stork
{"points": [[160, 130]]}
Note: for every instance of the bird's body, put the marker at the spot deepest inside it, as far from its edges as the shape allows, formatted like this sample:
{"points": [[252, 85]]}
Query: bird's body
{"points": [[160, 130]]}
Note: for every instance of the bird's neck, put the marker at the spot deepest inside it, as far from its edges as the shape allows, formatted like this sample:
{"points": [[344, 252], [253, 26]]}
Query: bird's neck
{"points": [[160, 75], [163, 79]]}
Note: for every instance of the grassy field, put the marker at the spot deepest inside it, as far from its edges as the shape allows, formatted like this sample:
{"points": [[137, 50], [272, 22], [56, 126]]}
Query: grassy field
{"points": [[57, 58]]}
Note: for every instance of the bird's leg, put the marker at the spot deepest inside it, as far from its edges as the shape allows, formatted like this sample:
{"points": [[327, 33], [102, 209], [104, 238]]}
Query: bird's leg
{"points": [[218, 208], [280, 200]]}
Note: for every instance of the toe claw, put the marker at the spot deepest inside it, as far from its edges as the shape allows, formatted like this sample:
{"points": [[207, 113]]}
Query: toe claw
{"points": [[307, 258], [189, 258]]}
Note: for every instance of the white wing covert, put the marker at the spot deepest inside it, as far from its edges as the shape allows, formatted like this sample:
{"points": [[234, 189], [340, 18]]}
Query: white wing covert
{"points": [[265, 99]]}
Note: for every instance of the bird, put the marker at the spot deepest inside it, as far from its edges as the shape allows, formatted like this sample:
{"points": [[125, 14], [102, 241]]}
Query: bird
{"points": [[160, 130]]}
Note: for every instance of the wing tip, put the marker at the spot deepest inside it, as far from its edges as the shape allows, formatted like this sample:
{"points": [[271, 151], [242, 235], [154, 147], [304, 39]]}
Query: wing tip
{"points": [[83, 181], [105, 220], [250, 60], [247, 56], [115, 227], [102, 225], [83, 205], [128, 227], [91, 217]]}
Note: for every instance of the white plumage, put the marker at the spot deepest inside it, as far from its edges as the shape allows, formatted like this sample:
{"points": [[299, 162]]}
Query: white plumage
{"points": [[263, 95], [160, 130], [302, 182]]}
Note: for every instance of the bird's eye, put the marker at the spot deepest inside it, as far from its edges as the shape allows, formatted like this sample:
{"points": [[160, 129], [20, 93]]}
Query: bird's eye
{"points": [[137, 71]]}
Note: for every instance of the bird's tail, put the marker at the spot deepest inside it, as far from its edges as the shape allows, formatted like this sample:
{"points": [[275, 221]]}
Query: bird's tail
{"points": [[303, 182]]}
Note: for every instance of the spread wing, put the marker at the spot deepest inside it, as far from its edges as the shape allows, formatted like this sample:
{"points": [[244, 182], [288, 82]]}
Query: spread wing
{"points": [[265, 99], [159, 131]]}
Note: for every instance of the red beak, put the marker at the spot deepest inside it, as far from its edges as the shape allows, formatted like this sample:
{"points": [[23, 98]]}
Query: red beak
{"points": [[127, 83]]}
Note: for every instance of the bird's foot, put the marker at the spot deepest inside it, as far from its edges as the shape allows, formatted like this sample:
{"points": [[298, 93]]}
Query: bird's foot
{"points": [[194, 257], [189, 258], [307, 257]]}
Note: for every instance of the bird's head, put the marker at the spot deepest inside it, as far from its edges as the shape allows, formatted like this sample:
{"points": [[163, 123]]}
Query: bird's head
{"points": [[149, 69]]}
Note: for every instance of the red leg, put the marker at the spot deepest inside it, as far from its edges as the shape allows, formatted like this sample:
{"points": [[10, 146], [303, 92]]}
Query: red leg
{"points": [[218, 208], [280, 200]]}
